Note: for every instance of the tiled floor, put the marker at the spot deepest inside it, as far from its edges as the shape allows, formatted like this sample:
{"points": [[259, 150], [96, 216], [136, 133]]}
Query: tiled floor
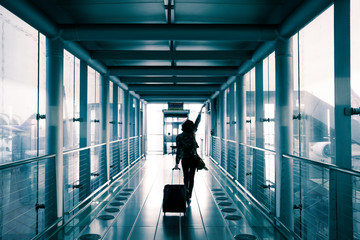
{"points": [[135, 203]]}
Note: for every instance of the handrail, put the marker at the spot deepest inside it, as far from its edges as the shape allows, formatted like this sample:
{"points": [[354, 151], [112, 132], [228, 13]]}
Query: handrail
{"points": [[88, 197], [118, 140], [329, 166], [228, 140], [83, 148], [133, 137], [258, 148], [216, 137], [25, 161], [238, 184], [60, 219]]}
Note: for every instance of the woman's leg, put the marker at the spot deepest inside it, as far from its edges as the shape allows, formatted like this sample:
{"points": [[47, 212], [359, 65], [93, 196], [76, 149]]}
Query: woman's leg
{"points": [[186, 177], [191, 177]]}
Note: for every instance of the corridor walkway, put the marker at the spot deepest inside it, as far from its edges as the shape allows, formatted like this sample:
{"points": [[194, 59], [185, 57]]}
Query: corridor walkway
{"points": [[132, 209]]}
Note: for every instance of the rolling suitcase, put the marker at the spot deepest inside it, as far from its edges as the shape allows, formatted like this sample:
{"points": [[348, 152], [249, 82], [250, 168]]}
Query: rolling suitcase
{"points": [[174, 197]]}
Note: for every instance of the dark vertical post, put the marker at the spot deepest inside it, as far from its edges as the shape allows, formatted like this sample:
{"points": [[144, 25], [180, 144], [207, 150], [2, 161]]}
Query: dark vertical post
{"points": [[259, 161], [84, 156], [104, 103], [241, 130], [341, 210]]}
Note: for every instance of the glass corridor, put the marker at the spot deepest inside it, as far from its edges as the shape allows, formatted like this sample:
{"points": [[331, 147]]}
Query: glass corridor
{"points": [[280, 137]]}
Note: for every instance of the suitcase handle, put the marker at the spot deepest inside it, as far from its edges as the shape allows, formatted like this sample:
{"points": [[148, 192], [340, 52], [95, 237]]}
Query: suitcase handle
{"points": [[172, 174]]}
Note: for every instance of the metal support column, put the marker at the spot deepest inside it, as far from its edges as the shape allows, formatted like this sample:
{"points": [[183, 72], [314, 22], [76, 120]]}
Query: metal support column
{"points": [[284, 132], [341, 209], [241, 129], [212, 124], [115, 111], [137, 125], [145, 129], [127, 123], [104, 98], [222, 126], [84, 156], [259, 161], [54, 128]]}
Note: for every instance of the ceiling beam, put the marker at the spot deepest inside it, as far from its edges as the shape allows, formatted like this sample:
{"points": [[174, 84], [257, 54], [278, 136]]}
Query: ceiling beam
{"points": [[110, 32], [174, 88], [173, 55], [175, 97], [172, 71], [187, 80]]}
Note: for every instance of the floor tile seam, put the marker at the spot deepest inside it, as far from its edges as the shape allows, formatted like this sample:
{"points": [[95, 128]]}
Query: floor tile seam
{"points": [[226, 179], [162, 181], [202, 219], [214, 200], [142, 206], [127, 181], [126, 203]]}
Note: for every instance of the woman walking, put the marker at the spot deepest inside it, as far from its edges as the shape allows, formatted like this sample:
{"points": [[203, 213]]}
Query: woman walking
{"points": [[186, 151]]}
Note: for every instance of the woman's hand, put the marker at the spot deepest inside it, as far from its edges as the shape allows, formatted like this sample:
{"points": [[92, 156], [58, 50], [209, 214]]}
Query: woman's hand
{"points": [[202, 107], [176, 167]]}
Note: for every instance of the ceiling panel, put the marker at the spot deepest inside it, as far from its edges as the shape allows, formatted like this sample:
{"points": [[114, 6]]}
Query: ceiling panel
{"points": [[127, 45], [220, 13], [215, 45], [109, 11], [104, 28], [137, 62]]}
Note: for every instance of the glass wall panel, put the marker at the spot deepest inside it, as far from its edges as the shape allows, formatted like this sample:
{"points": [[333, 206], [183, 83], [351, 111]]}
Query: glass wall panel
{"points": [[314, 135], [316, 69], [121, 114], [298, 133], [355, 82], [269, 114], [42, 95], [133, 116], [71, 106], [250, 106], [249, 79], [355, 103], [111, 110], [19, 81], [227, 110], [269, 101], [94, 106], [155, 138]]}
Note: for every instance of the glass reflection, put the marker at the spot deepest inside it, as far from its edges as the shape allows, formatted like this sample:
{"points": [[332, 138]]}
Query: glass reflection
{"points": [[316, 44], [19, 136]]}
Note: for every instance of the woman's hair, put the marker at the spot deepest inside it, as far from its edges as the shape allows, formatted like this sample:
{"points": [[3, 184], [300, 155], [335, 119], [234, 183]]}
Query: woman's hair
{"points": [[188, 126]]}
